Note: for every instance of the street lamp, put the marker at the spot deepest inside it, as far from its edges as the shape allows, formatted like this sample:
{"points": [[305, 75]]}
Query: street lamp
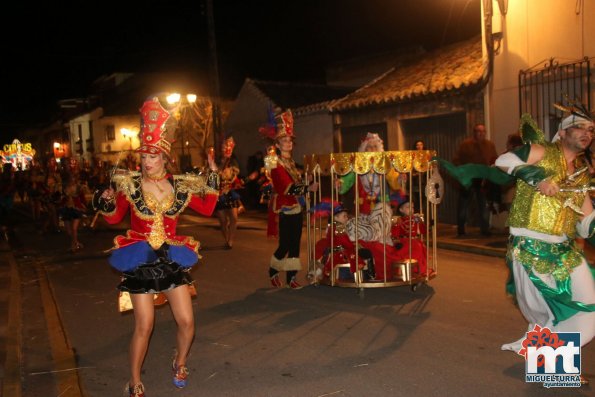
{"points": [[180, 104]]}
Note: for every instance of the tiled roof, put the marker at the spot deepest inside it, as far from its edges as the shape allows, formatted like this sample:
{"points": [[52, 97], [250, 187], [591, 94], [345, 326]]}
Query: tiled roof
{"points": [[446, 69], [299, 97]]}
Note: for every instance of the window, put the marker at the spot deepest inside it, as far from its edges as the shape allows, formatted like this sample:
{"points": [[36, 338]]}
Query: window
{"points": [[110, 133], [553, 83]]}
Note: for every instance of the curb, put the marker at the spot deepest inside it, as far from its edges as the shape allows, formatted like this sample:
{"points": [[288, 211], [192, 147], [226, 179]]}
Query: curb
{"points": [[473, 249], [11, 384]]}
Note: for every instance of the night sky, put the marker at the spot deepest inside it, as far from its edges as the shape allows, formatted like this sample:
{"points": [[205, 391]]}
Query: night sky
{"points": [[56, 52]]}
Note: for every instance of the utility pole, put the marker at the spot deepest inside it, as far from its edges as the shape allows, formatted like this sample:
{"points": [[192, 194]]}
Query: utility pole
{"points": [[214, 77]]}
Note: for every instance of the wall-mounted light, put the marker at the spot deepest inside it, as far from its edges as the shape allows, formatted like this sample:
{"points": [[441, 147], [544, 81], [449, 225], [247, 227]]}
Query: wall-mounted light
{"points": [[129, 134], [58, 150]]}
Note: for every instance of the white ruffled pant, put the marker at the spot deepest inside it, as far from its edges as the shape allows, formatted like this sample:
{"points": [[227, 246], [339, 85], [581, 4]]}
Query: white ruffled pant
{"points": [[535, 309]]}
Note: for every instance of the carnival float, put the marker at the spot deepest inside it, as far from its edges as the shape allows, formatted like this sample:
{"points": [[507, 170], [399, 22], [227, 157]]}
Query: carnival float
{"points": [[390, 242]]}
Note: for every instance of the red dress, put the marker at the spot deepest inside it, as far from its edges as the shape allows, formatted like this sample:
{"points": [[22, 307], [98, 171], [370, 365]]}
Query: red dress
{"points": [[151, 256], [286, 193], [343, 250], [142, 219], [409, 229], [288, 187]]}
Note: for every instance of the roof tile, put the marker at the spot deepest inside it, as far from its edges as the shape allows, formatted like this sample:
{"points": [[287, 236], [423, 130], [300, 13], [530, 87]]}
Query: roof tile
{"points": [[450, 68]]}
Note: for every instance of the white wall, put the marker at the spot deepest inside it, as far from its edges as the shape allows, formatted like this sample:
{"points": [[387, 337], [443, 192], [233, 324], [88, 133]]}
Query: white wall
{"points": [[120, 143], [83, 121], [314, 131], [248, 114], [534, 31]]}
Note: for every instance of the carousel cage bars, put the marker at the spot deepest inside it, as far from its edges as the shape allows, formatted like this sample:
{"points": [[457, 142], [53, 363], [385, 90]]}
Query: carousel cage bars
{"points": [[553, 83], [315, 227]]}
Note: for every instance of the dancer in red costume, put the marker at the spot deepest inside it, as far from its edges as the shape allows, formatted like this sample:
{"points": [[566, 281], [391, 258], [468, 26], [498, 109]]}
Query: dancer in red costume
{"points": [[373, 244], [268, 193], [337, 241], [229, 202], [288, 202], [153, 258], [407, 232]]}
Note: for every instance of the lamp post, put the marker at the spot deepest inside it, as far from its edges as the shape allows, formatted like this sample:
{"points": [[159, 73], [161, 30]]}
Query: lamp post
{"points": [[181, 105]]}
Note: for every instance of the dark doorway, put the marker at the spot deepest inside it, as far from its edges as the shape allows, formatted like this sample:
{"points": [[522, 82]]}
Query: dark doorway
{"points": [[352, 136], [442, 134]]}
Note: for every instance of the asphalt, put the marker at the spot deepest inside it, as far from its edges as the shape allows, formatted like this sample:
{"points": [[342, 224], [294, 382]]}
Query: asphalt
{"points": [[11, 308], [51, 344]]}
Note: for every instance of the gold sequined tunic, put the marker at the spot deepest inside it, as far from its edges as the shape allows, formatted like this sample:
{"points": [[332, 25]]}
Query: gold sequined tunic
{"points": [[556, 215]]}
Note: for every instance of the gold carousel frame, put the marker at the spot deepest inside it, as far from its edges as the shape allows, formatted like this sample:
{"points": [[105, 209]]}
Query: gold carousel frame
{"points": [[336, 165]]}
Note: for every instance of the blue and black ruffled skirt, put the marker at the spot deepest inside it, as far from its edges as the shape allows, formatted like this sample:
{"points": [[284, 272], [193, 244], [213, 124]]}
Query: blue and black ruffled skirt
{"points": [[161, 272]]}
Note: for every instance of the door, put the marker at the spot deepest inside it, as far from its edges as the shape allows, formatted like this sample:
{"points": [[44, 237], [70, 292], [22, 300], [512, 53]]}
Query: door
{"points": [[352, 137], [442, 134]]}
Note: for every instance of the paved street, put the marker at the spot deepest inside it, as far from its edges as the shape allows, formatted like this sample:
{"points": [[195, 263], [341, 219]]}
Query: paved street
{"points": [[441, 340]]}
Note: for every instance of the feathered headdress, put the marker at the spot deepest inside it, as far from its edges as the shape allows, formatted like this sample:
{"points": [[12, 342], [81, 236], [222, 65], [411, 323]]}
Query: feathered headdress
{"points": [[397, 199], [575, 114], [285, 124], [325, 207], [269, 130], [278, 125]]}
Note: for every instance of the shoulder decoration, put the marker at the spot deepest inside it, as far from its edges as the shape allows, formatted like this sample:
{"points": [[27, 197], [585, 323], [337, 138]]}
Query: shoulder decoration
{"points": [[530, 132], [194, 184], [129, 184], [125, 182], [270, 162]]}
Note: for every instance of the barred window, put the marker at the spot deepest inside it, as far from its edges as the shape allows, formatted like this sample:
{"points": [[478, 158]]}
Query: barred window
{"points": [[110, 133], [552, 82]]}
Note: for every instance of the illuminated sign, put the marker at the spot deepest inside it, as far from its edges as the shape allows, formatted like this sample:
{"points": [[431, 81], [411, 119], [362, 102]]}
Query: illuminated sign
{"points": [[18, 154]]}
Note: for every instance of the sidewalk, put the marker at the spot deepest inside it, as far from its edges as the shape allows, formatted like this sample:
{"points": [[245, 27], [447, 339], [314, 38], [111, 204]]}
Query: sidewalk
{"points": [[473, 242], [10, 315]]}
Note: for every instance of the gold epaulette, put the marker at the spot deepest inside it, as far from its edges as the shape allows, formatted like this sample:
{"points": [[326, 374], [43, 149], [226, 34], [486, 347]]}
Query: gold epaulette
{"points": [[124, 181], [193, 183], [270, 162]]}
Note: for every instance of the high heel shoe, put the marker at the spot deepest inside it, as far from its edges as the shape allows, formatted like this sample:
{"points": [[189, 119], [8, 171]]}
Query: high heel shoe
{"points": [[137, 390], [76, 248], [181, 372]]}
